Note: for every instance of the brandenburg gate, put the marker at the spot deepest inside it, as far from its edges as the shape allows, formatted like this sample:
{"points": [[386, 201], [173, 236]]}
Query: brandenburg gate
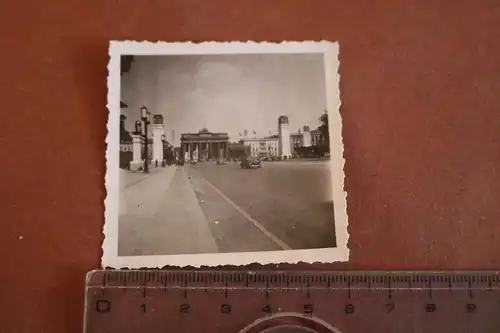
{"points": [[204, 145]]}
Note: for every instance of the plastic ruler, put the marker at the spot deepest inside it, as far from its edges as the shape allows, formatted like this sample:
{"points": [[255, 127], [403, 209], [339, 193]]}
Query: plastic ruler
{"points": [[154, 301]]}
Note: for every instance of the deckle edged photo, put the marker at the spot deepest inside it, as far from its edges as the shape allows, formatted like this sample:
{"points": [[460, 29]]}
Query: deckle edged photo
{"points": [[224, 154]]}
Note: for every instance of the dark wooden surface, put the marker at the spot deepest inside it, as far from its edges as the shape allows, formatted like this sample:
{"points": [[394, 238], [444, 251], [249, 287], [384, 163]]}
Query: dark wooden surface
{"points": [[420, 86]]}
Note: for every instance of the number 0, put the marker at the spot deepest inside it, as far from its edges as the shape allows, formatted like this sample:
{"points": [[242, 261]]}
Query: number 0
{"points": [[349, 308], [225, 308], [103, 306]]}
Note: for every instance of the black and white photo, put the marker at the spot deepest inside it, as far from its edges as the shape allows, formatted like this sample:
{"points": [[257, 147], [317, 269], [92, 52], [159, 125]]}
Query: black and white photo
{"points": [[224, 153]]}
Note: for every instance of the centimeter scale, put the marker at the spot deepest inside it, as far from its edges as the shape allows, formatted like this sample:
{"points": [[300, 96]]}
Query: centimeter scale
{"points": [[154, 301]]}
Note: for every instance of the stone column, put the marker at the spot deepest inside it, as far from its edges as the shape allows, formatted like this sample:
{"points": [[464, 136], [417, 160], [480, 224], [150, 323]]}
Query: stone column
{"points": [[205, 150], [157, 151], [227, 150], [136, 162]]}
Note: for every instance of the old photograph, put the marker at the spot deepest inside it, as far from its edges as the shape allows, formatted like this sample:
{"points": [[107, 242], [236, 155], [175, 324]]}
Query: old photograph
{"points": [[224, 154]]}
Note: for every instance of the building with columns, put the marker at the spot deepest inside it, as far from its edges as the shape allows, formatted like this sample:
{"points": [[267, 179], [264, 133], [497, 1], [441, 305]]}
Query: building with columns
{"points": [[285, 144], [316, 138], [262, 146], [204, 146], [311, 138]]}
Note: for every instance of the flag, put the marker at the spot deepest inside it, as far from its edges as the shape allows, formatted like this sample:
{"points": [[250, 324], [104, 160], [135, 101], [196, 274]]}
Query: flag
{"points": [[269, 131], [254, 132]]}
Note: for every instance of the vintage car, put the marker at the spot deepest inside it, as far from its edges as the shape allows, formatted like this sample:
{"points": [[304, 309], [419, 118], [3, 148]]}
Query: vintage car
{"points": [[250, 162]]}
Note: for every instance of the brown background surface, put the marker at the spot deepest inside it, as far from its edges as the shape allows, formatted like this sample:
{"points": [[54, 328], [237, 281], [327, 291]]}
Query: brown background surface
{"points": [[420, 86]]}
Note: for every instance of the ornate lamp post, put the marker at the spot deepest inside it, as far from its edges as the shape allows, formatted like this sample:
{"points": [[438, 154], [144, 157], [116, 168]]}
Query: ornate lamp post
{"points": [[145, 117], [164, 144]]}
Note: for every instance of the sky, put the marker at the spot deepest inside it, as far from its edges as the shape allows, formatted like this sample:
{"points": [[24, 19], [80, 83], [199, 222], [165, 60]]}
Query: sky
{"points": [[226, 93]]}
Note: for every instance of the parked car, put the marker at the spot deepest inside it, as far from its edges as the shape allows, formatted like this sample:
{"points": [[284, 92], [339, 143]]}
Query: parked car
{"points": [[250, 162]]}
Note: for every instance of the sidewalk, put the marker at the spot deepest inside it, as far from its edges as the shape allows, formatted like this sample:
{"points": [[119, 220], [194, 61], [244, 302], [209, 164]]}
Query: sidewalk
{"points": [[129, 178], [164, 217], [143, 194]]}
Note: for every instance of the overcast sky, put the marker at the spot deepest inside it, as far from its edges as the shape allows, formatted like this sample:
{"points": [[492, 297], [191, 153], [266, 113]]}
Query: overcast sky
{"points": [[227, 93]]}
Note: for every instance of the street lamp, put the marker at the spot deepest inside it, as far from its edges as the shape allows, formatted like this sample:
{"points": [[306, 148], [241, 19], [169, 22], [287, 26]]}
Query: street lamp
{"points": [[164, 141], [145, 117], [138, 127]]}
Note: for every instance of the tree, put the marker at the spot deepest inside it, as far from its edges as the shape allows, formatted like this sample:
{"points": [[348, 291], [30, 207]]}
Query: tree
{"points": [[323, 128], [126, 63]]}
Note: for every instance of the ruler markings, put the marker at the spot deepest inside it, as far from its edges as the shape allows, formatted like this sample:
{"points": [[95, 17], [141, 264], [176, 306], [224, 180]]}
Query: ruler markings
{"points": [[347, 289], [133, 277], [386, 289]]}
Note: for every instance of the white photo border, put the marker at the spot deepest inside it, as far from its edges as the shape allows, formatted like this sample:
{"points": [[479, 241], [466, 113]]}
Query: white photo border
{"points": [[340, 253]]}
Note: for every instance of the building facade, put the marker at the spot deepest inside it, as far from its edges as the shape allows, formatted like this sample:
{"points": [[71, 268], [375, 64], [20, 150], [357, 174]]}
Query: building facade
{"points": [[262, 146], [285, 144], [204, 146], [126, 144], [307, 139], [296, 140], [317, 139]]}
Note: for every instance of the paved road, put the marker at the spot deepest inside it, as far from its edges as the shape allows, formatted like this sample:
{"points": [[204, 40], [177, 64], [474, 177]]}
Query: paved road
{"points": [[161, 215], [283, 205]]}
